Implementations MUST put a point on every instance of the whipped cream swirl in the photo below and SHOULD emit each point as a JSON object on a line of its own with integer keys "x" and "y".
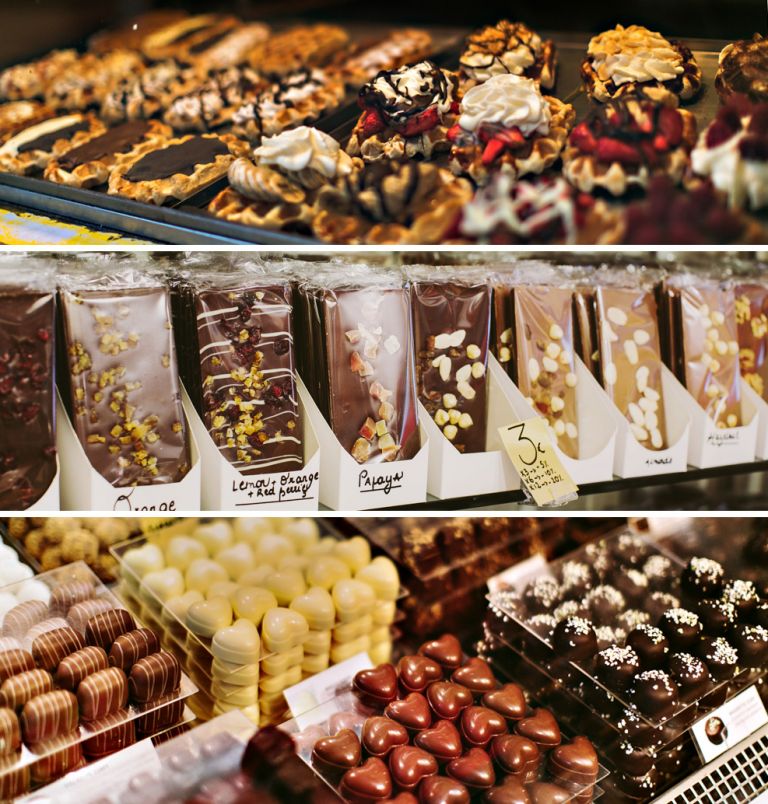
{"x": 634, "y": 53}
{"x": 304, "y": 148}
{"x": 507, "y": 101}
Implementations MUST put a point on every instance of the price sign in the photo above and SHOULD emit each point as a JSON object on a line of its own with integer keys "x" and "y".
{"x": 530, "y": 450}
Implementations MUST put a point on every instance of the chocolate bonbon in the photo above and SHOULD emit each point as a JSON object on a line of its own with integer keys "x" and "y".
{"x": 15, "y": 661}
{"x": 51, "y": 647}
{"x": 10, "y": 733}
{"x": 103, "y": 629}
{"x": 17, "y": 690}
{"x": 74, "y": 668}
{"x": 154, "y": 676}
{"x": 49, "y": 715}
{"x": 128, "y": 648}
{"x": 102, "y": 693}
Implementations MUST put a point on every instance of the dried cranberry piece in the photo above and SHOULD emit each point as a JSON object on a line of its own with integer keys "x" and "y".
{"x": 281, "y": 346}
{"x": 30, "y": 411}
{"x": 43, "y": 335}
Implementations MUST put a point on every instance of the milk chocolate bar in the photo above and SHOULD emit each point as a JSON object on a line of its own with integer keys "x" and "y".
{"x": 451, "y": 331}
{"x": 125, "y": 395}
{"x": 707, "y": 356}
{"x": 630, "y": 359}
{"x": 752, "y": 323}
{"x": 27, "y": 440}
{"x": 247, "y": 393}
{"x": 544, "y": 364}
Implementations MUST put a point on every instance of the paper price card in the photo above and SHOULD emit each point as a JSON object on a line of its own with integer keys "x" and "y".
{"x": 529, "y": 448}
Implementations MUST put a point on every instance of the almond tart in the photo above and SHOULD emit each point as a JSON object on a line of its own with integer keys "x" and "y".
{"x": 174, "y": 168}
{"x": 32, "y": 148}
{"x": 743, "y": 69}
{"x": 406, "y": 113}
{"x": 733, "y": 153}
{"x": 302, "y": 46}
{"x": 389, "y": 201}
{"x": 18, "y": 115}
{"x": 625, "y": 142}
{"x": 506, "y": 124}
{"x": 29, "y": 81}
{"x": 635, "y": 61}
{"x": 174, "y": 41}
{"x": 295, "y": 99}
{"x": 541, "y": 211}
{"x": 87, "y": 161}
{"x": 508, "y": 47}
{"x": 400, "y": 47}
{"x": 138, "y": 97}
{"x": 276, "y": 188}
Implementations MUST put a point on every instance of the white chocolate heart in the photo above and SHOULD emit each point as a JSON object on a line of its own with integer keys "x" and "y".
{"x": 383, "y": 577}
{"x": 162, "y": 584}
{"x": 325, "y": 571}
{"x": 380, "y": 653}
{"x": 300, "y": 563}
{"x": 181, "y": 551}
{"x": 236, "y": 559}
{"x": 283, "y": 629}
{"x": 206, "y": 617}
{"x": 316, "y": 604}
{"x": 273, "y": 549}
{"x": 302, "y": 532}
{"x": 354, "y": 552}
{"x": 202, "y": 573}
{"x": 235, "y": 673}
{"x": 347, "y": 632}
{"x": 252, "y": 603}
{"x": 214, "y": 536}
{"x": 144, "y": 559}
{"x": 251, "y": 529}
{"x": 381, "y": 634}
{"x": 238, "y": 695}
{"x": 384, "y": 612}
{"x": 256, "y": 577}
{"x": 238, "y": 642}
{"x": 286, "y": 585}
{"x": 317, "y": 642}
{"x": 225, "y": 589}
{"x": 353, "y": 599}
{"x": 324, "y": 547}
{"x": 315, "y": 663}
{"x": 177, "y": 607}
{"x": 340, "y": 653}
{"x": 278, "y": 663}
{"x": 278, "y": 683}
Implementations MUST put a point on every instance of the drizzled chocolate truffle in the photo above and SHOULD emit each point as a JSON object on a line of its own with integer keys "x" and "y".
{"x": 660, "y": 571}
{"x": 717, "y": 615}
{"x": 575, "y": 578}
{"x": 751, "y": 641}
{"x": 702, "y": 577}
{"x": 650, "y": 644}
{"x": 574, "y": 638}
{"x": 542, "y": 594}
{"x": 743, "y": 595}
{"x": 654, "y": 693}
{"x": 720, "y": 656}
{"x": 615, "y": 667}
{"x": 604, "y": 603}
{"x": 690, "y": 674}
{"x": 633, "y": 584}
{"x": 658, "y": 602}
{"x": 681, "y": 627}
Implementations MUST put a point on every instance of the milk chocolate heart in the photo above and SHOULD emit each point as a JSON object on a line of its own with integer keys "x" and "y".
{"x": 574, "y": 762}
{"x": 476, "y": 675}
{"x": 480, "y": 725}
{"x": 402, "y": 798}
{"x": 474, "y": 769}
{"x": 508, "y": 701}
{"x": 369, "y": 782}
{"x": 448, "y": 699}
{"x": 511, "y": 792}
{"x": 443, "y": 740}
{"x": 518, "y": 756}
{"x": 338, "y": 753}
{"x": 439, "y": 790}
{"x": 376, "y": 686}
{"x": 409, "y": 764}
{"x": 417, "y": 672}
{"x": 445, "y": 650}
{"x": 548, "y": 793}
{"x": 541, "y": 727}
{"x": 412, "y": 712}
{"x": 381, "y": 735}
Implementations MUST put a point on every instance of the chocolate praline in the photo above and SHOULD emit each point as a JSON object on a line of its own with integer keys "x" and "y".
{"x": 631, "y": 759}
{"x": 751, "y": 641}
{"x": 682, "y": 628}
{"x": 599, "y": 558}
{"x": 702, "y": 577}
{"x": 633, "y": 584}
{"x": 570, "y": 608}
{"x": 637, "y": 732}
{"x": 743, "y": 595}
{"x": 548, "y": 793}
{"x": 720, "y": 656}
{"x": 630, "y": 550}
{"x": 660, "y": 571}
{"x": 607, "y": 636}
{"x": 575, "y": 578}
{"x": 642, "y": 787}
{"x": 605, "y": 603}
{"x": 631, "y": 618}
{"x": 659, "y": 602}
{"x": 717, "y": 616}
{"x": 517, "y": 756}
{"x": 574, "y": 638}
{"x": 439, "y": 790}
{"x": 510, "y": 792}
{"x": 654, "y": 693}
{"x": 543, "y": 625}
{"x": 542, "y": 594}
{"x": 760, "y": 614}
{"x": 650, "y": 644}
{"x": 615, "y": 667}
{"x": 690, "y": 674}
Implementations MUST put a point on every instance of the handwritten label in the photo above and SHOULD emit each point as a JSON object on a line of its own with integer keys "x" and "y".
{"x": 724, "y": 438}
{"x": 125, "y": 502}
{"x": 658, "y": 461}
{"x": 280, "y": 487}
{"x": 729, "y": 724}
{"x": 383, "y": 482}
{"x": 541, "y": 472}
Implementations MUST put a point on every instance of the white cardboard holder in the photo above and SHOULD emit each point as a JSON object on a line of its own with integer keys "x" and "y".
{"x": 84, "y": 489}
{"x": 632, "y": 459}
{"x": 226, "y": 489}
{"x": 455, "y": 474}
{"x": 595, "y": 423}
{"x": 50, "y": 499}
{"x": 761, "y": 408}
{"x": 710, "y": 446}
{"x": 346, "y": 485}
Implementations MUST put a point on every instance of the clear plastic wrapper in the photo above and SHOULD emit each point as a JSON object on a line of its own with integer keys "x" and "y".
{"x": 752, "y": 329}
{"x": 120, "y": 375}
{"x": 364, "y": 383}
{"x": 451, "y": 328}
{"x": 27, "y": 402}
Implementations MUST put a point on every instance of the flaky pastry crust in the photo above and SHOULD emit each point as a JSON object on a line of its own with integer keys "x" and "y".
{"x": 302, "y": 46}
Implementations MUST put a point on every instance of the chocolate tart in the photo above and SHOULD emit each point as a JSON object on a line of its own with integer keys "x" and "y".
{"x": 743, "y": 69}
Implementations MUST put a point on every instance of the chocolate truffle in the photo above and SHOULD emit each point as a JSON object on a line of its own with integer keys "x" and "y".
{"x": 633, "y": 584}
{"x": 751, "y": 641}
{"x": 630, "y": 550}
{"x": 575, "y": 578}
{"x": 702, "y": 577}
{"x": 615, "y": 667}
{"x": 632, "y": 759}
{"x": 659, "y": 602}
{"x": 641, "y": 787}
{"x": 542, "y": 594}
{"x": 743, "y": 595}
{"x": 650, "y": 644}
{"x": 654, "y": 693}
{"x": 605, "y": 603}
{"x": 690, "y": 674}
{"x": 720, "y": 656}
{"x": 717, "y": 616}
{"x": 660, "y": 571}
{"x": 570, "y": 608}
{"x": 682, "y": 628}
{"x": 543, "y": 625}
{"x": 574, "y": 638}
{"x": 760, "y": 614}
{"x": 597, "y": 556}
{"x": 607, "y": 636}
{"x": 636, "y": 731}
{"x": 631, "y": 618}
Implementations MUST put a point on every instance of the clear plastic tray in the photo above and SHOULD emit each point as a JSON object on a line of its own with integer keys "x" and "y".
{"x": 53, "y": 579}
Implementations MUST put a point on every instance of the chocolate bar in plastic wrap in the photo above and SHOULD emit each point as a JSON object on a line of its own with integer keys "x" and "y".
{"x": 752, "y": 323}
{"x": 630, "y": 359}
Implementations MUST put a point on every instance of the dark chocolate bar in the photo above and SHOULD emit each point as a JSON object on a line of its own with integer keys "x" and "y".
{"x": 451, "y": 330}
{"x": 752, "y": 323}
{"x": 125, "y": 394}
